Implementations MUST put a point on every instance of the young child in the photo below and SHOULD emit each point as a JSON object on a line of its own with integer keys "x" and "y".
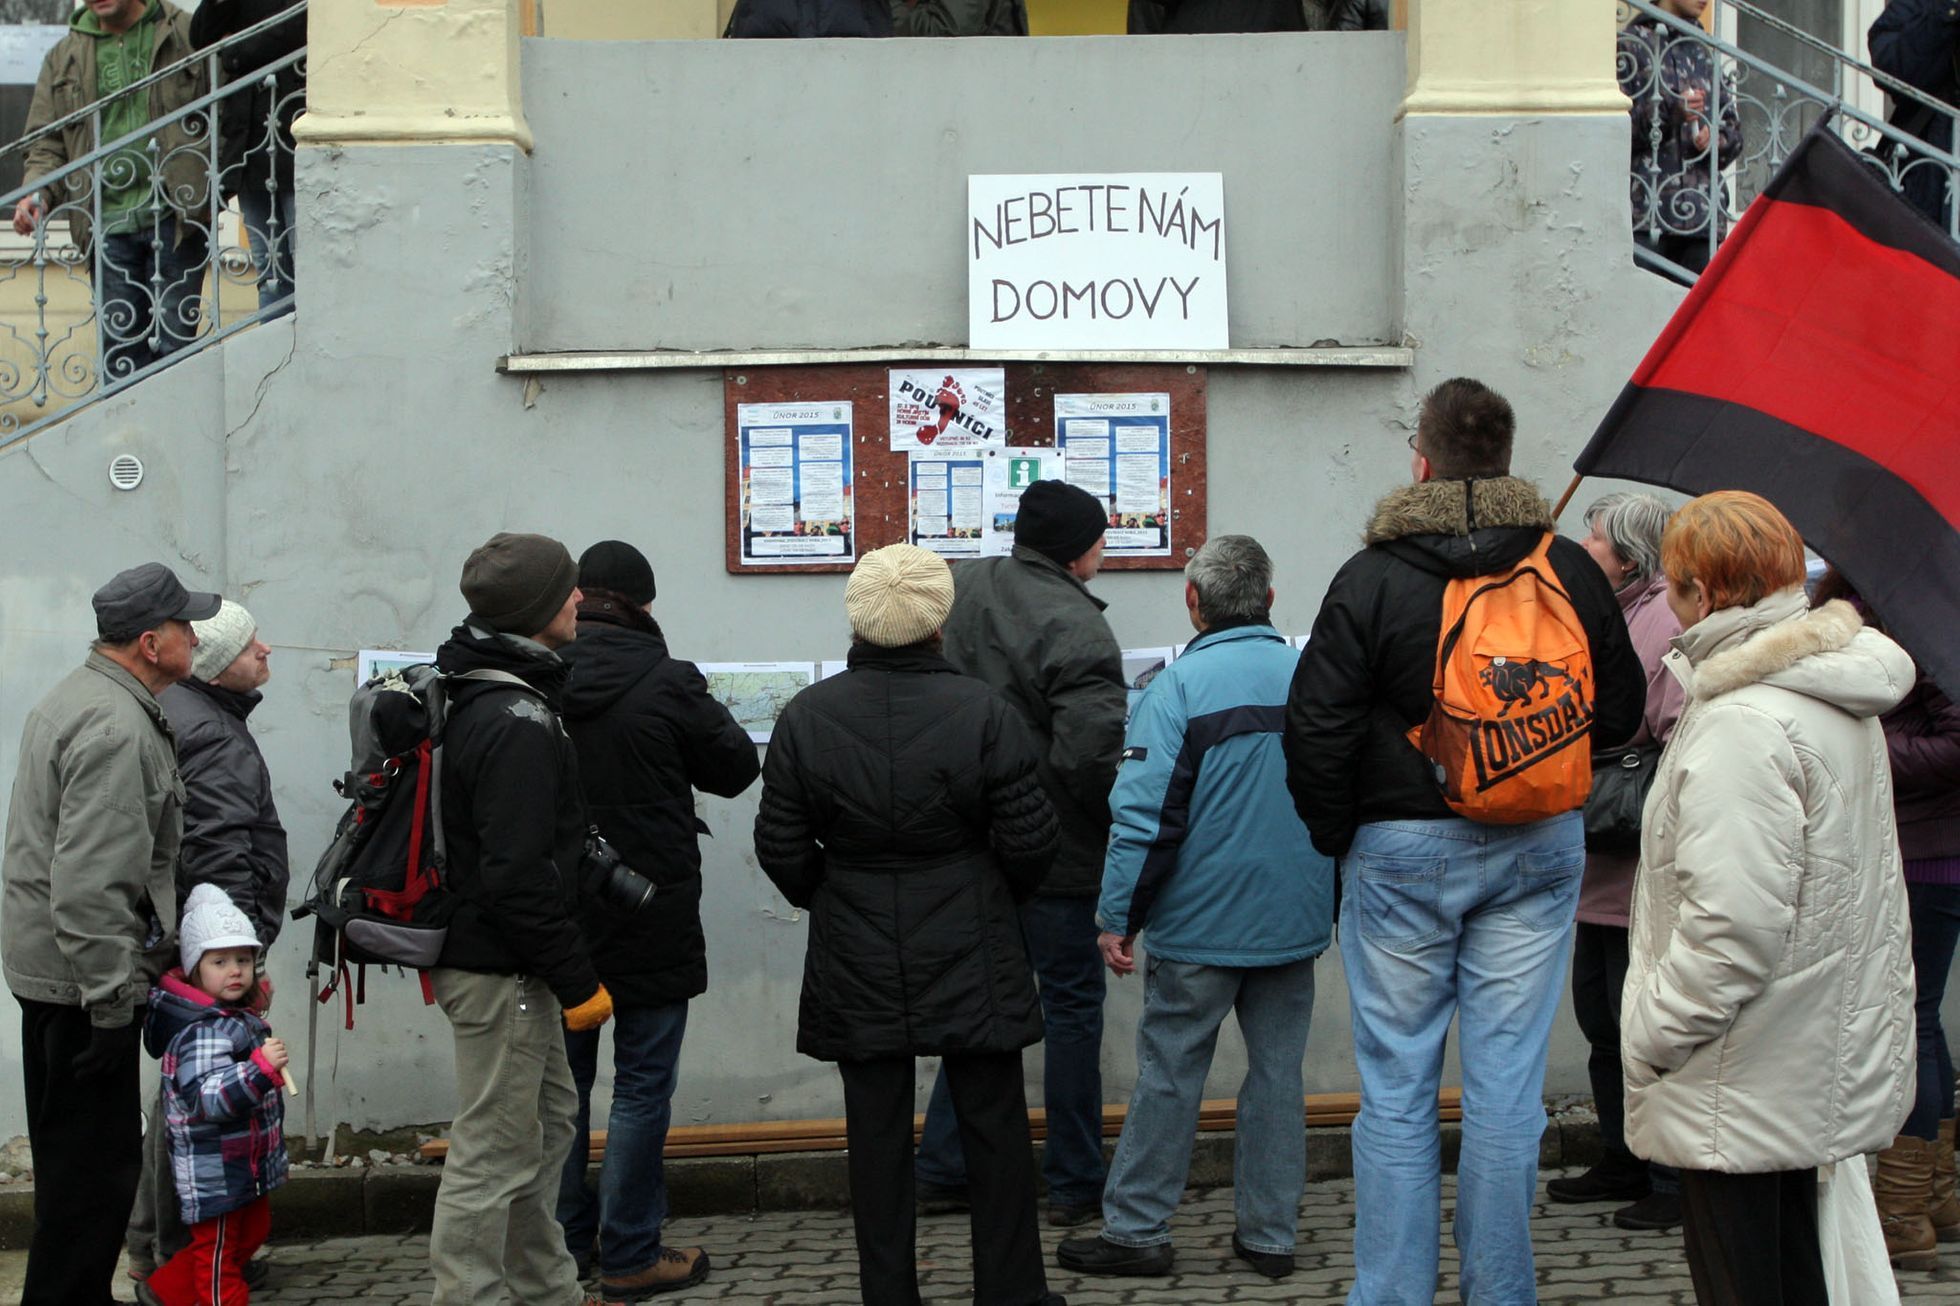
{"x": 222, "y": 1076}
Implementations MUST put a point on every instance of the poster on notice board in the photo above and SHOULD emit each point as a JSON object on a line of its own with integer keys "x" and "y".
{"x": 796, "y": 483}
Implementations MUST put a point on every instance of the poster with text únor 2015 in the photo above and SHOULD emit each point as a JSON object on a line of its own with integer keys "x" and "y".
{"x": 1118, "y": 448}
{"x": 796, "y": 483}
{"x": 937, "y": 409}
{"x": 946, "y": 503}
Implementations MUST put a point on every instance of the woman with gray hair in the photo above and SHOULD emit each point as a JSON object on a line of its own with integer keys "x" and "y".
{"x": 1624, "y": 538}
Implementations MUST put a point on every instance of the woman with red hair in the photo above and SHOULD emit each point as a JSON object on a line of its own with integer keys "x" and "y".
{"x": 1767, "y": 1023}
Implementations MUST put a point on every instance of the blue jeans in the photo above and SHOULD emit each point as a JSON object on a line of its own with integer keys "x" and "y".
{"x": 1935, "y": 912}
{"x": 1439, "y": 919}
{"x": 1061, "y": 936}
{"x": 268, "y": 216}
{"x": 1183, "y": 1006}
{"x": 148, "y": 294}
{"x": 631, "y": 1205}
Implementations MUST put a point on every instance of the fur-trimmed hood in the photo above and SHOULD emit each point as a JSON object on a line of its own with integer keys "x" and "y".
{"x": 1829, "y": 654}
{"x": 1457, "y": 508}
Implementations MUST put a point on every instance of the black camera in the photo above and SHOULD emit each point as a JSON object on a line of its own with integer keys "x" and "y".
{"x": 605, "y": 879}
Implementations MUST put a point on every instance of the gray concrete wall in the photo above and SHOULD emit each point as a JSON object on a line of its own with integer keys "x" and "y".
{"x": 333, "y": 472}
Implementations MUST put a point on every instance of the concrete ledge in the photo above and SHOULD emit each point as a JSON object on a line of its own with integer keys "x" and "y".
{"x": 400, "y": 1199}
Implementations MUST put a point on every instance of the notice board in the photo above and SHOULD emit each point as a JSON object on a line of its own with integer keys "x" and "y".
{"x": 830, "y": 399}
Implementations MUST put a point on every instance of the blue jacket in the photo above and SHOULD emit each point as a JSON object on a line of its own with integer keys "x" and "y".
{"x": 1207, "y": 856}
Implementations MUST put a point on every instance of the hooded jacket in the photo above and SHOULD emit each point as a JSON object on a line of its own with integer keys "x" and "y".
{"x": 249, "y": 153}
{"x": 900, "y": 807}
{"x": 512, "y": 817}
{"x": 232, "y": 834}
{"x": 1368, "y": 670}
{"x": 1034, "y": 632}
{"x": 1923, "y": 736}
{"x": 1767, "y": 1022}
{"x": 647, "y": 736}
{"x": 221, "y": 1099}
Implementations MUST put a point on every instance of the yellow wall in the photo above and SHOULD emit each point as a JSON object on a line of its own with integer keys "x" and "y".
{"x": 1077, "y": 17}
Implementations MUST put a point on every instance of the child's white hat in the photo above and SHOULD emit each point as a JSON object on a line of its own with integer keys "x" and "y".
{"x": 211, "y": 921}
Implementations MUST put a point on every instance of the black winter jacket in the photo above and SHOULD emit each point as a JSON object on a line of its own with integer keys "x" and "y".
{"x": 899, "y": 805}
{"x": 512, "y": 817}
{"x": 1027, "y": 627}
{"x": 246, "y": 156}
{"x": 1187, "y": 17}
{"x": 799, "y": 18}
{"x": 1918, "y": 42}
{"x": 1922, "y": 734}
{"x": 1359, "y": 16}
{"x": 647, "y": 736}
{"x": 1368, "y": 669}
{"x": 232, "y": 834}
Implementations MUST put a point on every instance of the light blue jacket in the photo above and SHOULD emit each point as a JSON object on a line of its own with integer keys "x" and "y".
{"x": 1207, "y": 857}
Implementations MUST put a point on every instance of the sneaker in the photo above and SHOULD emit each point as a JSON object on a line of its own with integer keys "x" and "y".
{"x": 1654, "y": 1211}
{"x": 1098, "y": 1255}
{"x": 1599, "y": 1185}
{"x": 1274, "y": 1265}
{"x": 940, "y": 1199}
{"x": 1064, "y": 1215}
{"x": 675, "y": 1268}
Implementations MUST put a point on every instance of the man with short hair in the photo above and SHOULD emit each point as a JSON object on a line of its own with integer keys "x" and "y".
{"x": 140, "y": 217}
{"x": 1442, "y": 916}
{"x": 88, "y": 912}
{"x": 513, "y": 967}
{"x": 1027, "y": 625}
{"x": 1210, "y": 863}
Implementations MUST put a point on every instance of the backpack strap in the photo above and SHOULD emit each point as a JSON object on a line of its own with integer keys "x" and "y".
{"x": 436, "y": 700}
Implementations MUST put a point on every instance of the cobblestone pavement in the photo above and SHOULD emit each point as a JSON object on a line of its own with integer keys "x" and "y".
{"x": 807, "y": 1258}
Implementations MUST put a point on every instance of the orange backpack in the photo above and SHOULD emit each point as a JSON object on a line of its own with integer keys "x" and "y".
{"x": 1510, "y": 730}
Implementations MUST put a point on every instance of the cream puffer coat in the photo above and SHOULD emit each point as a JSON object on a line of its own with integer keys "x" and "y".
{"x": 1767, "y": 1020}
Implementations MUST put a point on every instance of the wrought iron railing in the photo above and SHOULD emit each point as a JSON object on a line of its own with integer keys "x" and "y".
{"x": 1712, "y": 123}
{"x": 166, "y": 239}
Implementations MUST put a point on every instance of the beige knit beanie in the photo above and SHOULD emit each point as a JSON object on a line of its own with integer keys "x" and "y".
{"x": 221, "y": 639}
{"x": 898, "y": 595}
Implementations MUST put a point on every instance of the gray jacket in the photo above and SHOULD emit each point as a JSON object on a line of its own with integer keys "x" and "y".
{"x": 88, "y": 886}
{"x": 1035, "y": 633}
{"x": 232, "y": 834}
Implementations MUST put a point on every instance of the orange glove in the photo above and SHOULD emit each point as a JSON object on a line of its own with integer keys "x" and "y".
{"x": 591, "y": 1013}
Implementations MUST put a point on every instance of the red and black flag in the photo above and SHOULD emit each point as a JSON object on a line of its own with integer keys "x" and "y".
{"x": 1817, "y": 363}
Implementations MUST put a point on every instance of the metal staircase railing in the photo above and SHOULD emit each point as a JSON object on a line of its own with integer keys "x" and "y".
{"x": 129, "y": 251}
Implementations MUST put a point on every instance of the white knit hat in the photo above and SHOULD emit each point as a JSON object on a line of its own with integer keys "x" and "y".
{"x": 221, "y": 639}
{"x": 898, "y": 595}
{"x": 211, "y": 921}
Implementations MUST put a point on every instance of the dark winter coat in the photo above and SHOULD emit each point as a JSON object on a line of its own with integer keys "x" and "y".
{"x": 222, "y": 1106}
{"x": 1670, "y": 178}
{"x": 1922, "y": 734}
{"x": 1360, "y": 16}
{"x": 900, "y": 807}
{"x": 959, "y": 17}
{"x": 1368, "y": 669}
{"x": 647, "y": 735}
{"x": 797, "y": 18}
{"x": 1918, "y": 42}
{"x": 1192, "y": 16}
{"x": 248, "y": 152}
{"x": 1027, "y": 627}
{"x": 232, "y": 834}
{"x": 512, "y": 818}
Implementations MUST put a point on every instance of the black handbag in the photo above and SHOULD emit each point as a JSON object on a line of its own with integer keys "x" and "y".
{"x": 1621, "y": 779}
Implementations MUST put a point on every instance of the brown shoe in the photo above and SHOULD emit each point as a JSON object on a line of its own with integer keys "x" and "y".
{"x": 677, "y": 1267}
{"x": 1904, "y": 1193}
{"x": 1945, "y": 1211}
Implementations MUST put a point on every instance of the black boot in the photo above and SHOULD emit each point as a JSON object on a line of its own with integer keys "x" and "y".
{"x": 1100, "y": 1256}
{"x": 1602, "y": 1183}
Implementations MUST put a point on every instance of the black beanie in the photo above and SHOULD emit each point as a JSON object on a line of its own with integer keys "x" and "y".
{"x": 1059, "y": 520}
{"x": 517, "y": 583}
{"x": 619, "y": 567}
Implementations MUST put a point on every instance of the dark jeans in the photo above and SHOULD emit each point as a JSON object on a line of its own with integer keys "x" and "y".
{"x": 992, "y": 1106}
{"x": 1691, "y": 252}
{"x": 1752, "y": 1238}
{"x": 631, "y": 1206}
{"x": 148, "y": 294}
{"x": 1061, "y": 935}
{"x": 87, "y": 1138}
{"x": 269, "y": 216}
{"x": 1935, "y": 929}
{"x": 1599, "y": 974}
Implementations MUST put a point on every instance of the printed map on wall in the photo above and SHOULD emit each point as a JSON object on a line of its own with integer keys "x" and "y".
{"x": 756, "y": 693}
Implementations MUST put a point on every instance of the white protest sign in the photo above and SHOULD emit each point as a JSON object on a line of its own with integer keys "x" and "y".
{"x": 1132, "y": 260}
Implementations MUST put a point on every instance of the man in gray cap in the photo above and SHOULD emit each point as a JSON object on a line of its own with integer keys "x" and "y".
{"x": 88, "y": 911}
{"x": 513, "y": 962}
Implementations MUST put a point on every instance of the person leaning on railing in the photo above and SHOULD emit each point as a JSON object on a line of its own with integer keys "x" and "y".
{"x": 151, "y": 261}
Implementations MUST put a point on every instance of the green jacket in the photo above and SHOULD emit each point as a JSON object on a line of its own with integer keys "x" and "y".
{"x": 1031, "y": 630}
{"x": 959, "y": 17}
{"x": 68, "y": 82}
{"x": 88, "y": 884}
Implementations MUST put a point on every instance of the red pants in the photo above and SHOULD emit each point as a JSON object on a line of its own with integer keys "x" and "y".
{"x": 211, "y": 1271}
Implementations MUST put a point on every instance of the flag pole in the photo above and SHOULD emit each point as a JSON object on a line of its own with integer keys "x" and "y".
{"x": 1563, "y": 499}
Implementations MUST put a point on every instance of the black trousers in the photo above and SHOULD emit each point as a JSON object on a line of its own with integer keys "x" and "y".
{"x": 1752, "y": 1238}
{"x": 87, "y": 1137}
{"x": 991, "y": 1103}
{"x": 1599, "y": 973}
